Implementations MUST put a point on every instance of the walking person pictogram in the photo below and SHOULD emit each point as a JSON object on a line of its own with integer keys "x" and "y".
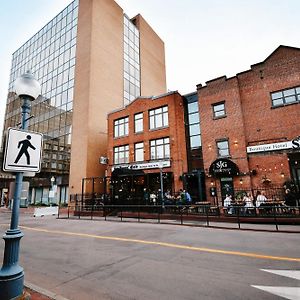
{"x": 24, "y": 149}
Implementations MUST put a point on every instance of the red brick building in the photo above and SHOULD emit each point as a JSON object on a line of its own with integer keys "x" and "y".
{"x": 250, "y": 125}
{"x": 144, "y": 137}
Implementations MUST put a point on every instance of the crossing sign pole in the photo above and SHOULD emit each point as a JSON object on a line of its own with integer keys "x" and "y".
{"x": 11, "y": 273}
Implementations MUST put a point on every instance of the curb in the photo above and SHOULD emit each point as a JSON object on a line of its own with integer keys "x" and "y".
{"x": 43, "y": 291}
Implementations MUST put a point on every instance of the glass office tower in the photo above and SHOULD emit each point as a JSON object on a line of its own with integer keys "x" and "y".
{"x": 50, "y": 56}
{"x": 88, "y": 60}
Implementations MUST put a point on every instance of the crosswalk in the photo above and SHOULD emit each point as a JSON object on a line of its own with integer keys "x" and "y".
{"x": 292, "y": 293}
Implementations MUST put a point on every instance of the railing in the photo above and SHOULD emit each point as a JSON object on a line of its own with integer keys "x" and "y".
{"x": 197, "y": 215}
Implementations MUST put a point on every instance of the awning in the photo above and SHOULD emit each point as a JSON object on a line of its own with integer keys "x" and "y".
{"x": 121, "y": 172}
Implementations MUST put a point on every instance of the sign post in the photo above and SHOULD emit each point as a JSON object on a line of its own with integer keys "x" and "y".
{"x": 19, "y": 157}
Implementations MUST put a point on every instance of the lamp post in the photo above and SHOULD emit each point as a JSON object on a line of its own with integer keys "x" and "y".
{"x": 11, "y": 273}
{"x": 160, "y": 165}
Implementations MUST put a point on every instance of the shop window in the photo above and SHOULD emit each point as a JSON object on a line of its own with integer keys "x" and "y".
{"x": 223, "y": 148}
{"x": 159, "y": 117}
{"x": 121, "y": 154}
{"x": 160, "y": 148}
{"x": 121, "y": 127}
{"x": 219, "y": 110}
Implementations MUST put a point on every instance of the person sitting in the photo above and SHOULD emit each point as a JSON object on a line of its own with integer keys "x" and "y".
{"x": 227, "y": 204}
{"x": 188, "y": 197}
{"x": 153, "y": 198}
{"x": 248, "y": 200}
{"x": 260, "y": 200}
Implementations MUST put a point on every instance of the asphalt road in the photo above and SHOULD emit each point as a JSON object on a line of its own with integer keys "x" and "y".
{"x": 80, "y": 259}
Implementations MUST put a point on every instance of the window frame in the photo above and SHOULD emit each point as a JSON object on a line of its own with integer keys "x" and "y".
{"x": 119, "y": 125}
{"x": 164, "y": 117}
{"x": 224, "y": 115}
{"x": 164, "y": 144}
{"x": 283, "y": 97}
{"x": 121, "y": 149}
{"x": 141, "y": 149}
{"x": 138, "y": 119}
{"x": 220, "y": 141}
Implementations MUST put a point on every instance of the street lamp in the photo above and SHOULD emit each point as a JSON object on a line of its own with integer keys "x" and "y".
{"x": 160, "y": 165}
{"x": 11, "y": 273}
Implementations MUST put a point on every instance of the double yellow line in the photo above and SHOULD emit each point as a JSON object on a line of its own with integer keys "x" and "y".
{"x": 163, "y": 244}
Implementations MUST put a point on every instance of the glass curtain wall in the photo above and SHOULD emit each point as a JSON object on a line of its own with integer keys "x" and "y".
{"x": 50, "y": 56}
{"x": 132, "y": 81}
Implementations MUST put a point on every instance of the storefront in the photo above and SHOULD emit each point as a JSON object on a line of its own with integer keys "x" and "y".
{"x": 224, "y": 170}
{"x": 132, "y": 184}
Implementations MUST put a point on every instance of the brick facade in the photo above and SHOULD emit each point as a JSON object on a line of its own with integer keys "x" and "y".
{"x": 251, "y": 120}
{"x": 175, "y": 131}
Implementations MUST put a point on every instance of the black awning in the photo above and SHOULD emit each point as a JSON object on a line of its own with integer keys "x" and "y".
{"x": 126, "y": 172}
{"x": 223, "y": 167}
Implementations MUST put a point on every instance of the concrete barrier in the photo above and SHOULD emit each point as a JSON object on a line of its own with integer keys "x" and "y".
{"x": 45, "y": 211}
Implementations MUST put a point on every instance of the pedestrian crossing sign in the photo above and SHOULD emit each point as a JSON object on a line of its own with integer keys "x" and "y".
{"x": 23, "y": 151}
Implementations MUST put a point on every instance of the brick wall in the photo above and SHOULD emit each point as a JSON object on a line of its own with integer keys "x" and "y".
{"x": 250, "y": 118}
{"x": 175, "y": 131}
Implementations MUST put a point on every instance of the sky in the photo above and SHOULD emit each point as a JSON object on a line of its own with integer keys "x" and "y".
{"x": 204, "y": 39}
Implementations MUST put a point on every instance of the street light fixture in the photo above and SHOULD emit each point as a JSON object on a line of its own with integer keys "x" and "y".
{"x": 11, "y": 273}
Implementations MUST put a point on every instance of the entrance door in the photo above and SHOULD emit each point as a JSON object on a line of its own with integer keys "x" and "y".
{"x": 226, "y": 186}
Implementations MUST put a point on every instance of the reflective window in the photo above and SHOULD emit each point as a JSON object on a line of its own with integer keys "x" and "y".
{"x": 48, "y": 55}
{"x": 139, "y": 151}
{"x": 121, "y": 127}
{"x": 286, "y": 97}
{"x": 158, "y": 117}
{"x": 121, "y": 154}
{"x": 138, "y": 122}
{"x": 194, "y": 124}
{"x": 131, "y": 61}
{"x": 160, "y": 148}
{"x": 223, "y": 148}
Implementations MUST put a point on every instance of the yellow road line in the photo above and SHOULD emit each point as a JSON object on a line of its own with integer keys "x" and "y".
{"x": 170, "y": 245}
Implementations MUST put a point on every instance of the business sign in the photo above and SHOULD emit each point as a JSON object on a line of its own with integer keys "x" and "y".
{"x": 143, "y": 166}
{"x": 223, "y": 167}
{"x": 294, "y": 144}
{"x": 23, "y": 151}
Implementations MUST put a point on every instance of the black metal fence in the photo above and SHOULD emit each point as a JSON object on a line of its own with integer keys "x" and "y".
{"x": 237, "y": 216}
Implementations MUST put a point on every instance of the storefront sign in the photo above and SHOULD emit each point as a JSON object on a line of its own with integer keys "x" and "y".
{"x": 294, "y": 144}
{"x": 223, "y": 167}
{"x": 143, "y": 166}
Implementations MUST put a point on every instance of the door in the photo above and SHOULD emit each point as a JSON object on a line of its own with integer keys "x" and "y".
{"x": 226, "y": 187}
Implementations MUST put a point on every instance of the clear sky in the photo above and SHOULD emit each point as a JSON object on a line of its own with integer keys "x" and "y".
{"x": 204, "y": 39}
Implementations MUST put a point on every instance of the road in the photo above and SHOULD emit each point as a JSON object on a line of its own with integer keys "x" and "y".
{"x": 81, "y": 259}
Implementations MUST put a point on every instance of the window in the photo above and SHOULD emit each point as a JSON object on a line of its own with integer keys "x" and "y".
{"x": 160, "y": 148}
{"x": 223, "y": 148}
{"x": 121, "y": 127}
{"x": 194, "y": 125}
{"x": 138, "y": 122}
{"x": 139, "y": 152}
{"x": 159, "y": 117}
{"x": 121, "y": 154}
{"x": 286, "y": 96}
{"x": 219, "y": 110}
